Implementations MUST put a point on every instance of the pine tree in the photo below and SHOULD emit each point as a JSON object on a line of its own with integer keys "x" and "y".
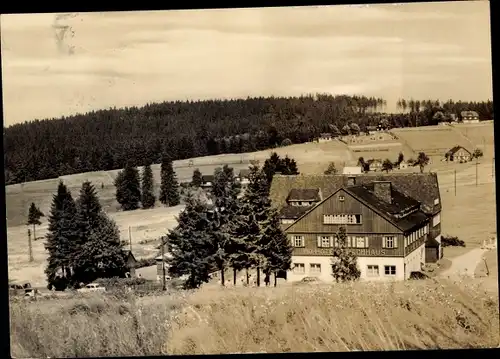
{"x": 344, "y": 262}
{"x": 190, "y": 244}
{"x": 128, "y": 188}
{"x": 169, "y": 188}
{"x": 253, "y": 211}
{"x": 34, "y": 216}
{"x": 197, "y": 178}
{"x": 225, "y": 192}
{"x": 61, "y": 236}
{"x": 88, "y": 219}
{"x": 147, "y": 191}
{"x": 276, "y": 246}
{"x": 102, "y": 255}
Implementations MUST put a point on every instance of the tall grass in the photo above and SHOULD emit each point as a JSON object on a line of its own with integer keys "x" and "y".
{"x": 360, "y": 316}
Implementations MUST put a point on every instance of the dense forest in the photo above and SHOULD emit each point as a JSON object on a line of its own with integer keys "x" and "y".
{"x": 108, "y": 139}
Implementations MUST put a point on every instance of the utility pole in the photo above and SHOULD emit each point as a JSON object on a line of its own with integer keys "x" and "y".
{"x": 163, "y": 264}
{"x": 29, "y": 246}
{"x": 455, "y": 172}
{"x": 476, "y": 171}
{"x": 130, "y": 239}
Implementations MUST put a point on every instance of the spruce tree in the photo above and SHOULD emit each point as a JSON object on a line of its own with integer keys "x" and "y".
{"x": 34, "y": 216}
{"x": 101, "y": 255}
{"x": 197, "y": 178}
{"x": 61, "y": 236}
{"x": 276, "y": 246}
{"x": 128, "y": 188}
{"x": 225, "y": 193}
{"x": 88, "y": 219}
{"x": 190, "y": 244}
{"x": 169, "y": 187}
{"x": 344, "y": 262}
{"x": 147, "y": 191}
{"x": 253, "y": 211}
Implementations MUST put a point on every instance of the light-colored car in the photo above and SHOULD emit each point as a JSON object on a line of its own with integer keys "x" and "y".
{"x": 92, "y": 287}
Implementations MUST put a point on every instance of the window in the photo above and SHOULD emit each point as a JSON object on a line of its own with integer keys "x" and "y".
{"x": 325, "y": 241}
{"x": 341, "y": 198}
{"x": 315, "y": 268}
{"x": 299, "y": 268}
{"x": 360, "y": 242}
{"x": 407, "y": 242}
{"x": 436, "y": 201}
{"x": 436, "y": 219}
{"x": 342, "y": 219}
{"x": 426, "y": 229}
{"x": 298, "y": 241}
{"x": 390, "y": 242}
{"x": 372, "y": 271}
{"x": 390, "y": 270}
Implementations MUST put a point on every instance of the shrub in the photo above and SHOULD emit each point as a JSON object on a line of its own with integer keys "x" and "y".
{"x": 286, "y": 142}
{"x": 451, "y": 241}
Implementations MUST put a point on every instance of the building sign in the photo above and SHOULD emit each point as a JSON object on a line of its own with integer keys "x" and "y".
{"x": 360, "y": 252}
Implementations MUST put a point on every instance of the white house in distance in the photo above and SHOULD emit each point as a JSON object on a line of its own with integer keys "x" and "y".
{"x": 392, "y": 223}
{"x": 469, "y": 116}
{"x": 352, "y": 170}
{"x": 325, "y": 137}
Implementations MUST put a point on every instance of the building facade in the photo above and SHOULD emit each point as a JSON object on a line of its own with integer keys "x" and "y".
{"x": 458, "y": 154}
{"x": 387, "y": 227}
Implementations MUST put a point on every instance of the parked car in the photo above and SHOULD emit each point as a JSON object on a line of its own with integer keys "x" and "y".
{"x": 92, "y": 287}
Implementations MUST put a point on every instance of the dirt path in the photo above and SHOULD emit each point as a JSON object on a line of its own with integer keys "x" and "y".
{"x": 465, "y": 264}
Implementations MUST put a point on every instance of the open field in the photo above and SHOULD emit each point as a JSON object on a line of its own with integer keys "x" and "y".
{"x": 470, "y": 215}
{"x": 341, "y": 317}
{"x": 487, "y": 270}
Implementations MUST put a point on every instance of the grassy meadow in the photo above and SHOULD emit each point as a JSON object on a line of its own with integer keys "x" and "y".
{"x": 308, "y": 317}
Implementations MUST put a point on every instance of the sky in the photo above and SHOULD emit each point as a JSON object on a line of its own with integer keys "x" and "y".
{"x": 62, "y": 64}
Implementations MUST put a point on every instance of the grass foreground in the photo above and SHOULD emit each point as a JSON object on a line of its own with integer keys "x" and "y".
{"x": 299, "y": 318}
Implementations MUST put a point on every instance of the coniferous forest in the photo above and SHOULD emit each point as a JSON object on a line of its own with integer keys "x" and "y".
{"x": 109, "y": 139}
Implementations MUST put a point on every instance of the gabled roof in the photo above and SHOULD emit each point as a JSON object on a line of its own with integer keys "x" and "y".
{"x": 455, "y": 149}
{"x": 384, "y": 209}
{"x": 304, "y": 194}
{"x": 129, "y": 253}
{"x": 469, "y": 114}
{"x": 293, "y": 212}
{"x": 326, "y": 134}
{"x": 423, "y": 187}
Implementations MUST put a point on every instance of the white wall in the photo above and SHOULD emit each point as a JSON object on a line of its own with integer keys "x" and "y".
{"x": 414, "y": 259}
{"x": 363, "y": 262}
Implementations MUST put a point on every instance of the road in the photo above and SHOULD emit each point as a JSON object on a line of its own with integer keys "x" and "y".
{"x": 465, "y": 264}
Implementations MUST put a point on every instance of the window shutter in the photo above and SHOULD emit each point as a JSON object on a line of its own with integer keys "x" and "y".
{"x": 332, "y": 240}
{"x": 395, "y": 242}
{"x": 292, "y": 241}
{"x": 384, "y": 242}
{"x": 366, "y": 242}
{"x": 319, "y": 242}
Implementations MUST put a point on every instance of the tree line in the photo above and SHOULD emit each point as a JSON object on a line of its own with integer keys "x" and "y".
{"x": 108, "y": 139}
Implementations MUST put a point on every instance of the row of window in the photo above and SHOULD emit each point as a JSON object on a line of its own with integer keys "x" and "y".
{"x": 372, "y": 270}
{"x": 342, "y": 219}
{"x": 388, "y": 242}
{"x": 409, "y": 239}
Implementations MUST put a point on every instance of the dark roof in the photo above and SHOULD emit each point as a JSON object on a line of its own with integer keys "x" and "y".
{"x": 207, "y": 178}
{"x": 244, "y": 173}
{"x": 304, "y": 194}
{"x": 423, "y": 187}
{"x": 399, "y": 204}
{"x": 469, "y": 113}
{"x": 326, "y": 134}
{"x": 293, "y": 212}
{"x": 455, "y": 149}
{"x": 129, "y": 253}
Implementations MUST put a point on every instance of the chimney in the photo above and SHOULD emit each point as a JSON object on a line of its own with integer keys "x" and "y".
{"x": 383, "y": 190}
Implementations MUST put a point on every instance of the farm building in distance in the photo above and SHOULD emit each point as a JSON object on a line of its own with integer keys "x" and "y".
{"x": 207, "y": 181}
{"x": 469, "y": 116}
{"x": 325, "y": 137}
{"x": 458, "y": 154}
{"x": 393, "y": 222}
{"x": 243, "y": 176}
